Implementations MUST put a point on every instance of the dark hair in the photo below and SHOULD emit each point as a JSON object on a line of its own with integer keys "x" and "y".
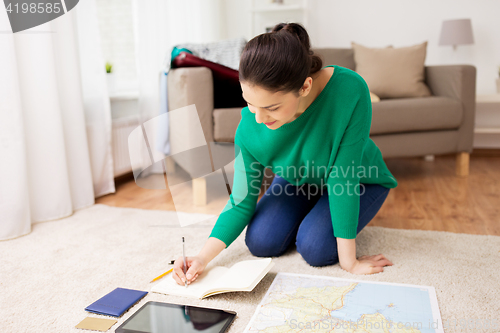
{"x": 279, "y": 60}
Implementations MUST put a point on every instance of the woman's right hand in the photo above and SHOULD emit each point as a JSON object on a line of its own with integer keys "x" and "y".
{"x": 195, "y": 266}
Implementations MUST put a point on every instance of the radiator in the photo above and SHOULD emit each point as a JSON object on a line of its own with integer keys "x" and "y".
{"x": 121, "y": 129}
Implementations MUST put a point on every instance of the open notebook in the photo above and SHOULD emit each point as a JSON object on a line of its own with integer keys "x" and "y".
{"x": 242, "y": 276}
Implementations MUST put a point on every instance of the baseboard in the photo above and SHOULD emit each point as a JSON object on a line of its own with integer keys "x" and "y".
{"x": 125, "y": 178}
{"x": 480, "y": 152}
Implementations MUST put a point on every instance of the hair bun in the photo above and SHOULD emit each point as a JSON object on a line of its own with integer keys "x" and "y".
{"x": 296, "y": 29}
{"x": 280, "y": 60}
{"x": 301, "y": 33}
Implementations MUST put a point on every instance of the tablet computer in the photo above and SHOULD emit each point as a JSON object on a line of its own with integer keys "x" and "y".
{"x": 159, "y": 317}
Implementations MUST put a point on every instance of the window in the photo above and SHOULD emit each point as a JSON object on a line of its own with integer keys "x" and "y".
{"x": 117, "y": 40}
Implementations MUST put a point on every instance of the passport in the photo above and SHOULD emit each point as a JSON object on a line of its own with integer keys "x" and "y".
{"x": 116, "y": 302}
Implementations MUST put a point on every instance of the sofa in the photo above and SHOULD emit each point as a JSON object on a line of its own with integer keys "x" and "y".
{"x": 402, "y": 127}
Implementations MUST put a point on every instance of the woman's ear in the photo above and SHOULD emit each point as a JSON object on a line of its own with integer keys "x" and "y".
{"x": 306, "y": 87}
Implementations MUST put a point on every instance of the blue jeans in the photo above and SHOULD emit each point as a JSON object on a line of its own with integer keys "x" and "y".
{"x": 285, "y": 214}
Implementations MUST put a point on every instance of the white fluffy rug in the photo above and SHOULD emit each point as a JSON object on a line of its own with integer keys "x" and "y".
{"x": 48, "y": 277}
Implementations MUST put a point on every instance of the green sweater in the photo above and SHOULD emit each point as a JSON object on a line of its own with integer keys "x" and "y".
{"x": 327, "y": 145}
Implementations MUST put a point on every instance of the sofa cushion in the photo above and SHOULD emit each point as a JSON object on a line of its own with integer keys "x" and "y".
{"x": 393, "y": 72}
{"x": 336, "y": 56}
{"x": 374, "y": 98}
{"x": 388, "y": 116}
{"x": 225, "y": 123}
{"x": 415, "y": 114}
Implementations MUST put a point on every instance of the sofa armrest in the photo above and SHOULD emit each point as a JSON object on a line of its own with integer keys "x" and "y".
{"x": 457, "y": 82}
{"x": 193, "y": 85}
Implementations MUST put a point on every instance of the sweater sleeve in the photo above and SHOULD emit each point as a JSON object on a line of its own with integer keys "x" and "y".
{"x": 248, "y": 175}
{"x": 343, "y": 189}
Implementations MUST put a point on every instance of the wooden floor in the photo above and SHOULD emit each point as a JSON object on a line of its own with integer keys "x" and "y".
{"x": 429, "y": 196}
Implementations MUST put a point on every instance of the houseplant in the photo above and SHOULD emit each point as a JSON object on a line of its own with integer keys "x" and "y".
{"x": 110, "y": 78}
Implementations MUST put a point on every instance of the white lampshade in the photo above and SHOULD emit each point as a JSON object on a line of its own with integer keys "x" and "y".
{"x": 456, "y": 32}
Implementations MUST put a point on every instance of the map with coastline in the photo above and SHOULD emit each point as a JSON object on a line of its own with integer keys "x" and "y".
{"x": 314, "y": 303}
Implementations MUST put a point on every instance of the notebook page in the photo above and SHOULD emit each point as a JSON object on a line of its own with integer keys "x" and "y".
{"x": 196, "y": 289}
{"x": 242, "y": 275}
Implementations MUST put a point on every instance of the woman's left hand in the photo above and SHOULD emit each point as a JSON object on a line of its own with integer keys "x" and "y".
{"x": 369, "y": 264}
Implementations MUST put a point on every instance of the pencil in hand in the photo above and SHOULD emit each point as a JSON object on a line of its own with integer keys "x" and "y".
{"x": 184, "y": 266}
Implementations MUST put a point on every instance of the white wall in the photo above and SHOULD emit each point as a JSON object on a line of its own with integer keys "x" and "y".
{"x": 195, "y": 21}
{"x": 236, "y": 18}
{"x": 335, "y": 23}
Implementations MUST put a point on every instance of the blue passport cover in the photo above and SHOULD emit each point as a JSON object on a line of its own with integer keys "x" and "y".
{"x": 116, "y": 302}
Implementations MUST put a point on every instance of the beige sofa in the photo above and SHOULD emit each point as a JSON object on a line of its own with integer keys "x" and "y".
{"x": 404, "y": 127}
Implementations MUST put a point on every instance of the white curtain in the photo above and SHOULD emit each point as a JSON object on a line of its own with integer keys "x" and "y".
{"x": 159, "y": 26}
{"x": 55, "y": 132}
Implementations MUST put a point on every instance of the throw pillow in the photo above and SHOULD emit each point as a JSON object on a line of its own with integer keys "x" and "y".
{"x": 393, "y": 72}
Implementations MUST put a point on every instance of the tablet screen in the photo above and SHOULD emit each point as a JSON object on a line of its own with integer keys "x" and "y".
{"x": 157, "y": 317}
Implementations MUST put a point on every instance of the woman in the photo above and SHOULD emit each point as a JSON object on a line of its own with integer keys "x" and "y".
{"x": 310, "y": 125}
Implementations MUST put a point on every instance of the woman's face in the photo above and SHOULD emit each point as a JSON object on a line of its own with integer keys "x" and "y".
{"x": 274, "y": 109}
